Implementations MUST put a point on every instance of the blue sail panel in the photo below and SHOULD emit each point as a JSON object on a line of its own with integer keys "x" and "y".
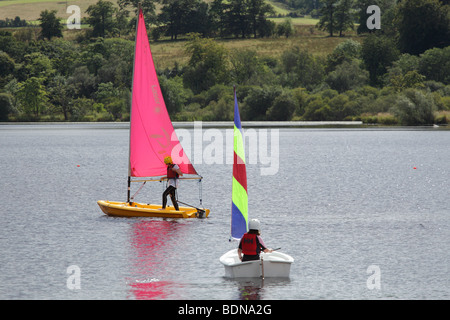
{"x": 238, "y": 223}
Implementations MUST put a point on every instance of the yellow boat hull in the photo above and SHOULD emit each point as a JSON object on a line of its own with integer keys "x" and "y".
{"x": 135, "y": 209}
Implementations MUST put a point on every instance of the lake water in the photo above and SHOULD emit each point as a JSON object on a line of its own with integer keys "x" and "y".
{"x": 365, "y": 213}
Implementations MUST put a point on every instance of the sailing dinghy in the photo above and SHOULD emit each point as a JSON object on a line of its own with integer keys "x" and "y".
{"x": 274, "y": 264}
{"x": 152, "y": 138}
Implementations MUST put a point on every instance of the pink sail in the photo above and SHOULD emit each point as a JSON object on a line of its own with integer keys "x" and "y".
{"x": 152, "y": 136}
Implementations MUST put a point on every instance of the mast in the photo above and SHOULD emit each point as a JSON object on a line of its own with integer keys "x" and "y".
{"x": 131, "y": 111}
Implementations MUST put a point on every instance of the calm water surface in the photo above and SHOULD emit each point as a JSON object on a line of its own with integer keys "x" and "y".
{"x": 342, "y": 200}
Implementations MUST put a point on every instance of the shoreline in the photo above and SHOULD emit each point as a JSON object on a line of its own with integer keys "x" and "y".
{"x": 230, "y": 124}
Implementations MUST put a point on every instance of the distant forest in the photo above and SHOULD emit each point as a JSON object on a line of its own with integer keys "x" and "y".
{"x": 13, "y": 23}
{"x": 396, "y": 75}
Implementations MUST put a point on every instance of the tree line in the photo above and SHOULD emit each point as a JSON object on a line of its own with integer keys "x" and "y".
{"x": 219, "y": 18}
{"x": 13, "y": 23}
{"x": 374, "y": 79}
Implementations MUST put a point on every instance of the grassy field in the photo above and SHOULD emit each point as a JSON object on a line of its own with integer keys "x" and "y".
{"x": 166, "y": 53}
{"x": 298, "y": 21}
{"x": 30, "y": 10}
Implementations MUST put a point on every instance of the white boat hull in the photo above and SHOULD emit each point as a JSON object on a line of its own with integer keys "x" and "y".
{"x": 273, "y": 265}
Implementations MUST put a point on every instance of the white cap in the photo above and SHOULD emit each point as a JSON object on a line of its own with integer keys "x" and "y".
{"x": 254, "y": 224}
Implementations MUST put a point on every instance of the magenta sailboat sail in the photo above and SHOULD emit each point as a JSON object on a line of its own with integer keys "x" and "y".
{"x": 152, "y": 136}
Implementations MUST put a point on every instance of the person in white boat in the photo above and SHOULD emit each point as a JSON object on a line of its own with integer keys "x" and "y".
{"x": 173, "y": 173}
{"x": 251, "y": 243}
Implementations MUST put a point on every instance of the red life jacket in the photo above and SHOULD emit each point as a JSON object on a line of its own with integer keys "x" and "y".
{"x": 249, "y": 244}
{"x": 170, "y": 173}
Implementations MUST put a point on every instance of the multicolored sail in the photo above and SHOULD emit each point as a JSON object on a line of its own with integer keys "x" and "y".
{"x": 239, "y": 207}
{"x": 152, "y": 136}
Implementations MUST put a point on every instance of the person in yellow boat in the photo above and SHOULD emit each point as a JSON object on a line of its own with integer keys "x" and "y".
{"x": 251, "y": 243}
{"x": 173, "y": 173}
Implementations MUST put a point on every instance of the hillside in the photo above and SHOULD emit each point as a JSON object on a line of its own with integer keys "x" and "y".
{"x": 300, "y": 75}
{"x": 167, "y": 53}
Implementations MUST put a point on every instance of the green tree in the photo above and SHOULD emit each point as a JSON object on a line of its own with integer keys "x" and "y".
{"x": 175, "y": 95}
{"x": 201, "y": 19}
{"x": 244, "y": 17}
{"x": 435, "y": 64}
{"x": 122, "y": 23}
{"x": 116, "y": 106}
{"x": 301, "y": 96}
{"x": 341, "y": 107}
{"x": 238, "y": 20}
{"x": 283, "y": 107}
{"x": 406, "y": 62}
{"x": 50, "y": 24}
{"x": 387, "y": 8}
{"x": 80, "y": 108}
{"x": 347, "y": 76}
{"x": 101, "y": 17}
{"x": 63, "y": 54}
{"x": 38, "y": 65}
{"x": 328, "y": 20}
{"x": 413, "y": 107}
{"x": 148, "y": 7}
{"x": 317, "y": 109}
{"x": 5, "y": 106}
{"x": 33, "y": 97}
{"x": 285, "y": 28}
{"x": 60, "y": 95}
{"x": 7, "y": 67}
{"x": 412, "y": 79}
{"x": 105, "y": 91}
{"x": 6, "y": 64}
{"x": 110, "y": 60}
{"x": 257, "y": 11}
{"x": 266, "y": 28}
{"x": 301, "y": 69}
{"x": 12, "y": 88}
{"x": 82, "y": 83}
{"x": 116, "y": 70}
{"x": 344, "y": 51}
{"x": 114, "y": 100}
{"x": 248, "y": 68}
{"x": 258, "y": 100}
{"x": 207, "y": 65}
{"x": 344, "y": 16}
{"x": 378, "y": 53}
{"x": 218, "y": 17}
{"x": 176, "y": 16}
{"x": 220, "y": 110}
{"x": 16, "y": 49}
{"x": 422, "y": 25}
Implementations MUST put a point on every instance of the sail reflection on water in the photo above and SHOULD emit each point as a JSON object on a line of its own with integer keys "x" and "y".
{"x": 152, "y": 241}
